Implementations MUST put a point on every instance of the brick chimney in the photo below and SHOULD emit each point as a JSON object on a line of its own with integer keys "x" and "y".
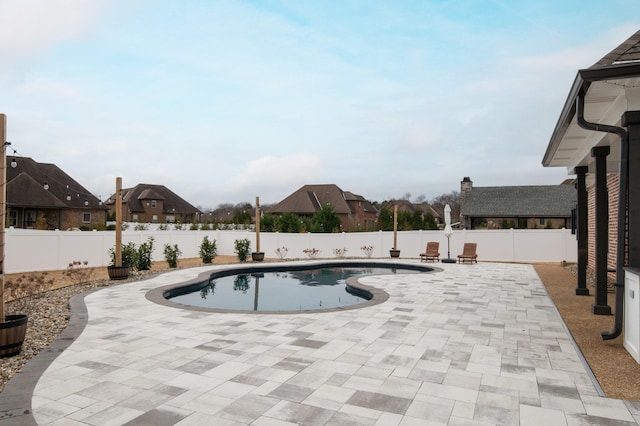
{"x": 466, "y": 184}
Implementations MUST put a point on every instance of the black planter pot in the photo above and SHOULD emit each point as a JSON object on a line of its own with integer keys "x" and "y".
{"x": 12, "y": 332}
{"x": 394, "y": 253}
{"x": 118, "y": 272}
{"x": 257, "y": 256}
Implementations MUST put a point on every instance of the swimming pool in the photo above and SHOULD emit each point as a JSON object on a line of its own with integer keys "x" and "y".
{"x": 291, "y": 288}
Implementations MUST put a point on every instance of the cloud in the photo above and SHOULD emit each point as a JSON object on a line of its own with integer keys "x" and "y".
{"x": 272, "y": 178}
{"x": 29, "y": 26}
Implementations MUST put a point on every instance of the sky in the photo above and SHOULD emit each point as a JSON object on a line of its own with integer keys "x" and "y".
{"x": 225, "y": 101}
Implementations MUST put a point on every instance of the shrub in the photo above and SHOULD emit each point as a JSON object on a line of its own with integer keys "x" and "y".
{"x": 311, "y": 252}
{"x": 140, "y": 227}
{"x": 243, "y": 248}
{"x": 368, "y": 250}
{"x": 143, "y": 255}
{"x": 129, "y": 254}
{"x": 24, "y": 292}
{"x": 282, "y": 252}
{"x": 171, "y": 254}
{"x": 208, "y": 250}
{"x": 78, "y": 272}
{"x": 340, "y": 252}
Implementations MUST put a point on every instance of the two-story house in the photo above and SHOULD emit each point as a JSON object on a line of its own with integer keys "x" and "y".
{"x": 42, "y": 196}
{"x": 147, "y": 203}
{"x": 355, "y": 212}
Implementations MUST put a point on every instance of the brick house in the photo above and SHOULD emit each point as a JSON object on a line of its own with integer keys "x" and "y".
{"x": 355, "y": 212}
{"x": 42, "y": 196}
{"x": 147, "y": 203}
{"x": 597, "y": 138}
{"x": 520, "y": 207}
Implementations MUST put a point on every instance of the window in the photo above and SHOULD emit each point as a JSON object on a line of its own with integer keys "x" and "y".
{"x": 171, "y": 219}
{"x": 13, "y": 218}
{"x": 86, "y": 217}
{"x": 134, "y": 217}
{"x": 542, "y": 221}
{"x": 154, "y": 204}
{"x": 154, "y": 218}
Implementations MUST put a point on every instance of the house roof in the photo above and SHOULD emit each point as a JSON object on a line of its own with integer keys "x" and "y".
{"x": 604, "y": 86}
{"x": 366, "y": 205}
{"x": 172, "y": 202}
{"x": 310, "y": 198}
{"x": 26, "y": 187}
{"x": 406, "y": 205}
{"x": 520, "y": 201}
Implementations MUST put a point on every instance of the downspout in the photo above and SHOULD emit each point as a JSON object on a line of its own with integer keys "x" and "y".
{"x": 622, "y": 211}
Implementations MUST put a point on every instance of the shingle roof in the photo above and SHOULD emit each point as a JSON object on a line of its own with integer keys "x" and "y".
{"x": 173, "y": 203}
{"x": 25, "y": 187}
{"x": 310, "y": 198}
{"x": 628, "y": 51}
{"x": 520, "y": 201}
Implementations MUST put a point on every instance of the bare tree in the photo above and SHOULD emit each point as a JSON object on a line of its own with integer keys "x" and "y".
{"x": 453, "y": 199}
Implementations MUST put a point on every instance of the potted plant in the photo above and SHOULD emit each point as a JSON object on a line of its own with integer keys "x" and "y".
{"x": 257, "y": 256}
{"x": 22, "y": 292}
{"x": 128, "y": 258}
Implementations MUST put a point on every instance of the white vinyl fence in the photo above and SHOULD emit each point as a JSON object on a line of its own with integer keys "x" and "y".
{"x": 33, "y": 250}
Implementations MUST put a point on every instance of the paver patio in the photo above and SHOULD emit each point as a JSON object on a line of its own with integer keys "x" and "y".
{"x": 474, "y": 344}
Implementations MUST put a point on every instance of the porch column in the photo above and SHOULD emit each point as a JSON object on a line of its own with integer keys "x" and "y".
{"x": 582, "y": 230}
{"x": 600, "y": 307}
{"x": 631, "y": 120}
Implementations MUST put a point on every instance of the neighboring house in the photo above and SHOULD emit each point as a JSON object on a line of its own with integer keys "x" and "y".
{"x": 146, "y": 203}
{"x": 42, "y": 196}
{"x": 597, "y": 138}
{"x": 355, "y": 212}
{"x": 523, "y": 207}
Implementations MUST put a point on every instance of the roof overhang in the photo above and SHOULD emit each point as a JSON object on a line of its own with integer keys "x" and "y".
{"x": 609, "y": 91}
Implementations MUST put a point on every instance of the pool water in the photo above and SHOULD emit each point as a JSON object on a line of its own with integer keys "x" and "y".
{"x": 299, "y": 290}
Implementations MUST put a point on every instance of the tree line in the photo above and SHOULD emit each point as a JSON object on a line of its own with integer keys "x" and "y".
{"x": 327, "y": 220}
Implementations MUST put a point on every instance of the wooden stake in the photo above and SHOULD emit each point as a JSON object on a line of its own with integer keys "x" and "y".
{"x": 395, "y": 227}
{"x": 257, "y": 224}
{"x": 3, "y": 205}
{"x": 118, "y": 259}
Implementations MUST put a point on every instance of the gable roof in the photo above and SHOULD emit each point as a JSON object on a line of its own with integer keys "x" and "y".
{"x": 26, "y": 187}
{"x": 172, "y": 202}
{"x": 366, "y": 205}
{"x": 603, "y": 85}
{"x": 520, "y": 201}
{"x": 310, "y": 198}
{"x": 406, "y": 205}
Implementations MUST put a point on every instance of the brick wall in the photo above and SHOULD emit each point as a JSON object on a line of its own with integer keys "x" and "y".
{"x": 612, "y": 189}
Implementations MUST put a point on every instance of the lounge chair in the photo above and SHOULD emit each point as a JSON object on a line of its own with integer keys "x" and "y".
{"x": 431, "y": 253}
{"x": 468, "y": 253}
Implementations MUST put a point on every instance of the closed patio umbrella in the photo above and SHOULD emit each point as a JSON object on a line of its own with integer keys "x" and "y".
{"x": 448, "y": 232}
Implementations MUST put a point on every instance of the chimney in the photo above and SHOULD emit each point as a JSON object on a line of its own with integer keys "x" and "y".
{"x": 465, "y": 187}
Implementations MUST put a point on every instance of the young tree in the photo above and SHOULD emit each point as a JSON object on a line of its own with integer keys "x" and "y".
{"x": 288, "y": 222}
{"x": 385, "y": 219}
{"x": 325, "y": 220}
{"x": 453, "y": 199}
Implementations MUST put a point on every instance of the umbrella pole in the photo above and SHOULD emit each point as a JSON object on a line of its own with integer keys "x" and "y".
{"x": 448, "y": 259}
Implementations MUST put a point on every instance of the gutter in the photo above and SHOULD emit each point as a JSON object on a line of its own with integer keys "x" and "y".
{"x": 622, "y": 209}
